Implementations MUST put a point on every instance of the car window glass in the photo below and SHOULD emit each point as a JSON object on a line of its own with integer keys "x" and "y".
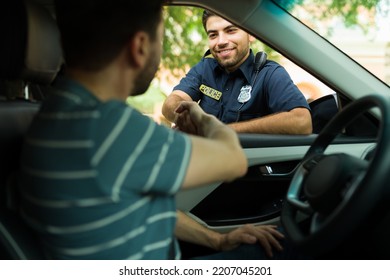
{"x": 361, "y": 29}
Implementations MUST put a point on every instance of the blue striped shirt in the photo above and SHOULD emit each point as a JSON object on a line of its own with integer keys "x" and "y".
{"x": 99, "y": 178}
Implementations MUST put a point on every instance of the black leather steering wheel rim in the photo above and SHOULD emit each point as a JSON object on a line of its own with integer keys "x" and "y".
{"x": 361, "y": 199}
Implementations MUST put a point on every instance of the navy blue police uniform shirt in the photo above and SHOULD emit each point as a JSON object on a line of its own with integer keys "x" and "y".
{"x": 218, "y": 92}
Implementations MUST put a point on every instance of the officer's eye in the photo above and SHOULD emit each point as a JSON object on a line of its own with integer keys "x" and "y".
{"x": 232, "y": 30}
{"x": 212, "y": 35}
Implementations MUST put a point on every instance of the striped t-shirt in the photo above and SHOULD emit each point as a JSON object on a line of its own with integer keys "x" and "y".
{"x": 99, "y": 178}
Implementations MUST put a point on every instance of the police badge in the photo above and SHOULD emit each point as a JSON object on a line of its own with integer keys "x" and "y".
{"x": 245, "y": 94}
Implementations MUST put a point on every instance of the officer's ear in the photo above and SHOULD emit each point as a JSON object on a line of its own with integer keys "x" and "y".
{"x": 251, "y": 39}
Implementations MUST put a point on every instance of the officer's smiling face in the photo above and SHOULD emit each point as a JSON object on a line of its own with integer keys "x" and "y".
{"x": 228, "y": 44}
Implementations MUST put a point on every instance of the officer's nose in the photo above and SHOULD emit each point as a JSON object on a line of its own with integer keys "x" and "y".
{"x": 222, "y": 39}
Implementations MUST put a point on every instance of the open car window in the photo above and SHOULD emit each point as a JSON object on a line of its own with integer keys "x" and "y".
{"x": 361, "y": 38}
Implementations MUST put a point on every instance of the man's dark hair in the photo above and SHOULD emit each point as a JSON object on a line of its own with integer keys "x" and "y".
{"x": 205, "y": 17}
{"x": 94, "y": 31}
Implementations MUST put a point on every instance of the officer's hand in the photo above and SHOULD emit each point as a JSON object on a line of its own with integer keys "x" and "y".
{"x": 189, "y": 117}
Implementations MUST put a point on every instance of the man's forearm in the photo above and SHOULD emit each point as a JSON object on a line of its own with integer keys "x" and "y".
{"x": 191, "y": 231}
{"x": 212, "y": 142}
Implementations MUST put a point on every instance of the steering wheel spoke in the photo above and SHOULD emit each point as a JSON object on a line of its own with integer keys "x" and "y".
{"x": 295, "y": 195}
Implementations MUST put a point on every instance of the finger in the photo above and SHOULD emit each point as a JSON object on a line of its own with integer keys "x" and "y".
{"x": 269, "y": 242}
{"x": 273, "y": 230}
{"x": 175, "y": 119}
{"x": 266, "y": 246}
{"x": 178, "y": 109}
{"x": 181, "y": 107}
{"x": 276, "y": 233}
{"x": 275, "y": 243}
{"x": 178, "y": 121}
{"x": 191, "y": 127}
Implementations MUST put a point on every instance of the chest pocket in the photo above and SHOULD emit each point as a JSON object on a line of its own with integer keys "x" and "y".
{"x": 211, "y": 106}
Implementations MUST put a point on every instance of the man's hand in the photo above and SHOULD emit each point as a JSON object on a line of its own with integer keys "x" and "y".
{"x": 189, "y": 117}
{"x": 266, "y": 235}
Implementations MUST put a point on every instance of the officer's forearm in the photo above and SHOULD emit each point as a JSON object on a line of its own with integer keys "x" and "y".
{"x": 296, "y": 121}
{"x": 169, "y": 106}
{"x": 172, "y": 102}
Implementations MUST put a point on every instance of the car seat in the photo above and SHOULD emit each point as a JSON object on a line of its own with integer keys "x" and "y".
{"x": 323, "y": 110}
{"x": 30, "y": 51}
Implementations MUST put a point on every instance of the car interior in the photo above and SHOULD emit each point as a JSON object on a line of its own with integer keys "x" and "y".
{"x": 281, "y": 187}
{"x": 32, "y": 54}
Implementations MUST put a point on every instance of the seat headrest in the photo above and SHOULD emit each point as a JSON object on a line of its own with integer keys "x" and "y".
{"x": 31, "y": 49}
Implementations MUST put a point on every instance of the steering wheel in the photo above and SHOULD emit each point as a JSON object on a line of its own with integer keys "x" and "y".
{"x": 334, "y": 193}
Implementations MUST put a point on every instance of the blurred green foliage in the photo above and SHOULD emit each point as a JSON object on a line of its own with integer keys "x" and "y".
{"x": 349, "y": 10}
{"x": 185, "y": 41}
{"x": 146, "y": 102}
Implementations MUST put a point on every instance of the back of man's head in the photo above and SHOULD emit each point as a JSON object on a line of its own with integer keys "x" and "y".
{"x": 94, "y": 31}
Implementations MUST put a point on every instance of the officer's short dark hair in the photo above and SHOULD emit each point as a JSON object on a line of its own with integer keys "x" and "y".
{"x": 205, "y": 17}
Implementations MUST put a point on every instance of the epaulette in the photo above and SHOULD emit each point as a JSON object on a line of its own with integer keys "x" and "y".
{"x": 208, "y": 54}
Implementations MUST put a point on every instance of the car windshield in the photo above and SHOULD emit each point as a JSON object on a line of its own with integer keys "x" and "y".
{"x": 360, "y": 29}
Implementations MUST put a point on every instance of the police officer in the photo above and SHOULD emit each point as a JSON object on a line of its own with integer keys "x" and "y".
{"x": 248, "y": 92}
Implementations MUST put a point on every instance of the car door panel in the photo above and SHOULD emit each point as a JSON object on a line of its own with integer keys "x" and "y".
{"x": 257, "y": 197}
